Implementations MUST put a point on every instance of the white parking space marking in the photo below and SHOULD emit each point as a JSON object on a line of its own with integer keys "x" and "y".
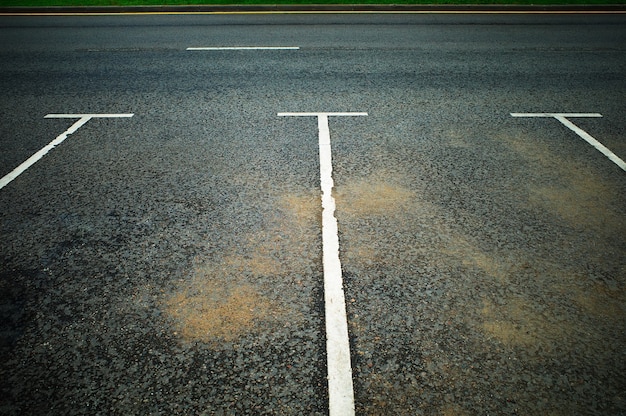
{"x": 340, "y": 388}
{"x": 243, "y": 48}
{"x": 82, "y": 119}
{"x": 89, "y": 116}
{"x": 563, "y": 118}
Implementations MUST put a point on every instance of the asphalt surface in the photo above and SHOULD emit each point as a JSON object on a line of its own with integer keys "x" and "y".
{"x": 170, "y": 263}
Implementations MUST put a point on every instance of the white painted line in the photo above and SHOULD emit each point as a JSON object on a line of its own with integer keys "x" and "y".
{"x": 88, "y": 115}
{"x": 340, "y": 387}
{"x": 322, "y": 114}
{"x": 556, "y": 114}
{"x": 243, "y": 48}
{"x": 82, "y": 119}
{"x": 563, "y": 118}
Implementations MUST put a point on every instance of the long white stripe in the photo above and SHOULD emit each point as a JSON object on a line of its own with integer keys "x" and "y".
{"x": 340, "y": 386}
{"x": 82, "y": 119}
{"x": 562, "y": 117}
{"x": 340, "y": 389}
{"x": 243, "y": 48}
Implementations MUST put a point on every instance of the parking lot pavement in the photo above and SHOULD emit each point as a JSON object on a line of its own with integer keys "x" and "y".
{"x": 166, "y": 253}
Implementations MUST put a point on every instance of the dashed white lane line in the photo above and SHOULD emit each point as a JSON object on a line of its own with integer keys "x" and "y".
{"x": 82, "y": 119}
{"x": 340, "y": 387}
{"x": 243, "y": 48}
{"x": 563, "y": 118}
{"x": 89, "y": 116}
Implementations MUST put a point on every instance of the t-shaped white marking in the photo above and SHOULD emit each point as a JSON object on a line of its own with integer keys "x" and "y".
{"x": 340, "y": 387}
{"x": 82, "y": 119}
{"x": 563, "y": 118}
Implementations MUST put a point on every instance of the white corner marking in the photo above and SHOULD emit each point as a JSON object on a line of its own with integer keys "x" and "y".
{"x": 564, "y": 119}
{"x": 82, "y": 119}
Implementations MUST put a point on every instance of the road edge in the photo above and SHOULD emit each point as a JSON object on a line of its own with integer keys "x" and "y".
{"x": 303, "y": 8}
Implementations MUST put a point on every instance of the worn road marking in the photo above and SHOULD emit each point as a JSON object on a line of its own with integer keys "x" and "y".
{"x": 563, "y": 118}
{"x": 243, "y": 48}
{"x": 82, "y": 119}
{"x": 340, "y": 388}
